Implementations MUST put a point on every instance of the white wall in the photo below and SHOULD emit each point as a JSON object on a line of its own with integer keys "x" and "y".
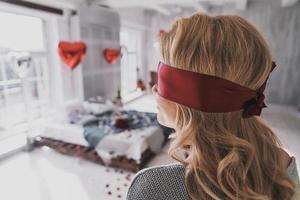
{"x": 100, "y": 29}
{"x": 280, "y": 26}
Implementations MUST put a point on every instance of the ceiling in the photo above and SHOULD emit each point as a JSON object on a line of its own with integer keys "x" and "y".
{"x": 166, "y": 7}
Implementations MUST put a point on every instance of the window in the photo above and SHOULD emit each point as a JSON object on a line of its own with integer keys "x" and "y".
{"x": 23, "y": 33}
{"x": 21, "y": 99}
{"x": 130, "y": 42}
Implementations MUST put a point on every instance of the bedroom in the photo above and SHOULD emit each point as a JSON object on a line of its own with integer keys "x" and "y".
{"x": 78, "y": 117}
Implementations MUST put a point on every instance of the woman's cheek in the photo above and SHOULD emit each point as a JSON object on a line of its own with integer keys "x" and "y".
{"x": 166, "y": 112}
{"x": 162, "y": 118}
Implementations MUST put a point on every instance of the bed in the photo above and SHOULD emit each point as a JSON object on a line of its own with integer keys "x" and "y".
{"x": 104, "y": 134}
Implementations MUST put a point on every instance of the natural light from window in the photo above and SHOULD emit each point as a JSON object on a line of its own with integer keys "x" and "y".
{"x": 21, "y": 98}
{"x": 22, "y": 33}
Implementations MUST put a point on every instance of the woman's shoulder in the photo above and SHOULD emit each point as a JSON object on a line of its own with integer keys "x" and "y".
{"x": 161, "y": 170}
{"x": 289, "y": 162}
{"x": 167, "y": 182}
{"x": 293, "y": 172}
{"x": 159, "y": 182}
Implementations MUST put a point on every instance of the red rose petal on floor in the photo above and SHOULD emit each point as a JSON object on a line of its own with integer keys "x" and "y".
{"x": 119, "y": 196}
{"x": 107, "y": 185}
{"x": 109, "y": 193}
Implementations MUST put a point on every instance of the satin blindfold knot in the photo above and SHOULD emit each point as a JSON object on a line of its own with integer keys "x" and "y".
{"x": 209, "y": 93}
{"x": 254, "y": 106}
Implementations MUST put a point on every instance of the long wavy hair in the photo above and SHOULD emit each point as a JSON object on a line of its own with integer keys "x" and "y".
{"x": 228, "y": 157}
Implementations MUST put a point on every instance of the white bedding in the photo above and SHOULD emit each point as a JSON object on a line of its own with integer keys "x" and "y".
{"x": 129, "y": 143}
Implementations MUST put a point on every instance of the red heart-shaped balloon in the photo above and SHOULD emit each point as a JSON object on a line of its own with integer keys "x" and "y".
{"x": 111, "y": 55}
{"x": 71, "y": 53}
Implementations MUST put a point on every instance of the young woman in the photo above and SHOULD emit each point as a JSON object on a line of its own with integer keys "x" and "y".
{"x": 210, "y": 90}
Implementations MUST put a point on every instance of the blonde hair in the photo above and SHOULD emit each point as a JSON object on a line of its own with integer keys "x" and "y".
{"x": 229, "y": 157}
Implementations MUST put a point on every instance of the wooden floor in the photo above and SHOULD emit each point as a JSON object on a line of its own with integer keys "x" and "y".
{"x": 46, "y": 175}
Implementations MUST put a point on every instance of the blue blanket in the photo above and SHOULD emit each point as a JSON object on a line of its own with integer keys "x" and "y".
{"x": 96, "y": 130}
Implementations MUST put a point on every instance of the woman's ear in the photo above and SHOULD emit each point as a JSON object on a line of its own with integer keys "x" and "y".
{"x": 154, "y": 89}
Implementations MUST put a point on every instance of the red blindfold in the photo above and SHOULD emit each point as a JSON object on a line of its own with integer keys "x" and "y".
{"x": 208, "y": 93}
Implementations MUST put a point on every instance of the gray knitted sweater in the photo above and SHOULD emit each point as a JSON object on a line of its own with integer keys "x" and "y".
{"x": 167, "y": 183}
